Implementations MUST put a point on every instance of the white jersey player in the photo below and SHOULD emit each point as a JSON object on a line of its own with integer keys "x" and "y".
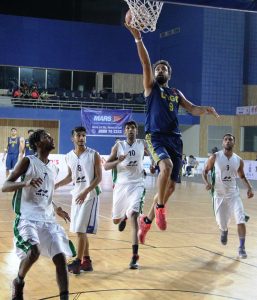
{"x": 131, "y": 168}
{"x": 35, "y": 227}
{"x": 85, "y": 171}
{"x": 126, "y": 161}
{"x": 225, "y": 167}
{"x": 84, "y": 217}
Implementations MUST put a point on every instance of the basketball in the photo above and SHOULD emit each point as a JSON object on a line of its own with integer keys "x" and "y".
{"x": 128, "y": 17}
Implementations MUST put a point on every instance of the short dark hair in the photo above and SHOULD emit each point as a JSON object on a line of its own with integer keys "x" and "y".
{"x": 14, "y": 128}
{"x": 229, "y": 134}
{"x": 31, "y": 130}
{"x": 78, "y": 129}
{"x": 35, "y": 138}
{"x": 163, "y": 62}
{"x": 130, "y": 123}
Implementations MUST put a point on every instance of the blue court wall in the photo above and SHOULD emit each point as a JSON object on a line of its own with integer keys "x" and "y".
{"x": 223, "y": 60}
{"x": 250, "y": 66}
{"x": 183, "y": 49}
{"x": 212, "y": 56}
{"x": 207, "y": 54}
{"x": 35, "y": 42}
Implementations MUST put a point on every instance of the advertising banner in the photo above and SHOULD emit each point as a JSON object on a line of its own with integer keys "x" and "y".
{"x": 105, "y": 122}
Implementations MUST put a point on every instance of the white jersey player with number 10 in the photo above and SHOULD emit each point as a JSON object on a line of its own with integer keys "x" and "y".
{"x": 126, "y": 161}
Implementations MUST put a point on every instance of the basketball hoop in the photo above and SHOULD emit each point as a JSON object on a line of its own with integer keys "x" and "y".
{"x": 144, "y": 14}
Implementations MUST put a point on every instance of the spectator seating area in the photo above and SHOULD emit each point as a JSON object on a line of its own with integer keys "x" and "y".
{"x": 65, "y": 99}
{"x": 102, "y": 96}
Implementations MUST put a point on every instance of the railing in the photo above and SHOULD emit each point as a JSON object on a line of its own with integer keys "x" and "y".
{"x": 74, "y": 104}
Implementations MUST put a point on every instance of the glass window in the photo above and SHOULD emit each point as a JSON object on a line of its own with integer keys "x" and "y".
{"x": 33, "y": 77}
{"x": 84, "y": 81}
{"x": 8, "y": 77}
{"x": 141, "y": 131}
{"x": 248, "y": 141}
{"x": 215, "y": 136}
{"x": 107, "y": 82}
{"x": 58, "y": 79}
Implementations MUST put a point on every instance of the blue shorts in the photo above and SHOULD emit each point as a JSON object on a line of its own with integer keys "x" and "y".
{"x": 163, "y": 146}
{"x": 11, "y": 160}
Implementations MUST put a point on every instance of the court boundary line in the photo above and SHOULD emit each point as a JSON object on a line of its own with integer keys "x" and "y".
{"x": 78, "y": 294}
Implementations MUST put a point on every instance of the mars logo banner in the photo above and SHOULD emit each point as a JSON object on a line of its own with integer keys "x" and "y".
{"x": 105, "y": 122}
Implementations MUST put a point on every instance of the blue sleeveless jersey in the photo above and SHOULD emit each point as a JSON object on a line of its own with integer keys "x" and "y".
{"x": 13, "y": 145}
{"x": 28, "y": 150}
{"x": 162, "y": 111}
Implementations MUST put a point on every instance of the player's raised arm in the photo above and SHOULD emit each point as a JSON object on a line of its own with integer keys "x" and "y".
{"x": 148, "y": 78}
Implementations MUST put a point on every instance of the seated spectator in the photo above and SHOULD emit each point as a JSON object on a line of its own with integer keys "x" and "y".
{"x": 103, "y": 94}
{"x": 44, "y": 95}
{"x": 184, "y": 162}
{"x": 12, "y": 86}
{"x": 17, "y": 93}
{"x": 24, "y": 88}
{"x": 191, "y": 164}
{"x": 93, "y": 93}
{"x": 34, "y": 94}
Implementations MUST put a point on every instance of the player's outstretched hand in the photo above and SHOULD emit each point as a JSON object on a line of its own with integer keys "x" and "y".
{"x": 136, "y": 33}
{"x": 211, "y": 110}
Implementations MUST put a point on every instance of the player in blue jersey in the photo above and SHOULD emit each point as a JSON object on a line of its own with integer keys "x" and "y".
{"x": 12, "y": 151}
{"x": 162, "y": 130}
{"x": 25, "y": 149}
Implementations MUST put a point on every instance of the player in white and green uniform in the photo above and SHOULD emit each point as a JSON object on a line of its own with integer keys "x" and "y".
{"x": 85, "y": 171}
{"x": 126, "y": 161}
{"x": 226, "y": 166}
{"x": 35, "y": 227}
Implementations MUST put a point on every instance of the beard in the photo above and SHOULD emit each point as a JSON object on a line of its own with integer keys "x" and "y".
{"x": 161, "y": 79}
{"x": 228, "y": 148}
{"x": 50, "y": 147}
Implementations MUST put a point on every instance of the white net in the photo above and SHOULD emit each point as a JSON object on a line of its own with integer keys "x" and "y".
{"x": 144, "y": 14}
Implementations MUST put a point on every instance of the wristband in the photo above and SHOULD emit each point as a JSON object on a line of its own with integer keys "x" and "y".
{"x": 138, "y": 40}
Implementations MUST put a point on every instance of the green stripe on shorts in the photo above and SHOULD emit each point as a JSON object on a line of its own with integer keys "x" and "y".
{"x": 20, "y": 243}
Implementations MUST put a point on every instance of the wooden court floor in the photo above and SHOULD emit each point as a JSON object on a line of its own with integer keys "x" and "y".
{"x": 185, "y": 262}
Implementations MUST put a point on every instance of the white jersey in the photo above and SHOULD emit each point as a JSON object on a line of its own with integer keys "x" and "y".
{"x": 83, "y": 171}
{"x": 36, "y": 203}
{"x": 130, "y": 170}
{"x": 226, "y": 173}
